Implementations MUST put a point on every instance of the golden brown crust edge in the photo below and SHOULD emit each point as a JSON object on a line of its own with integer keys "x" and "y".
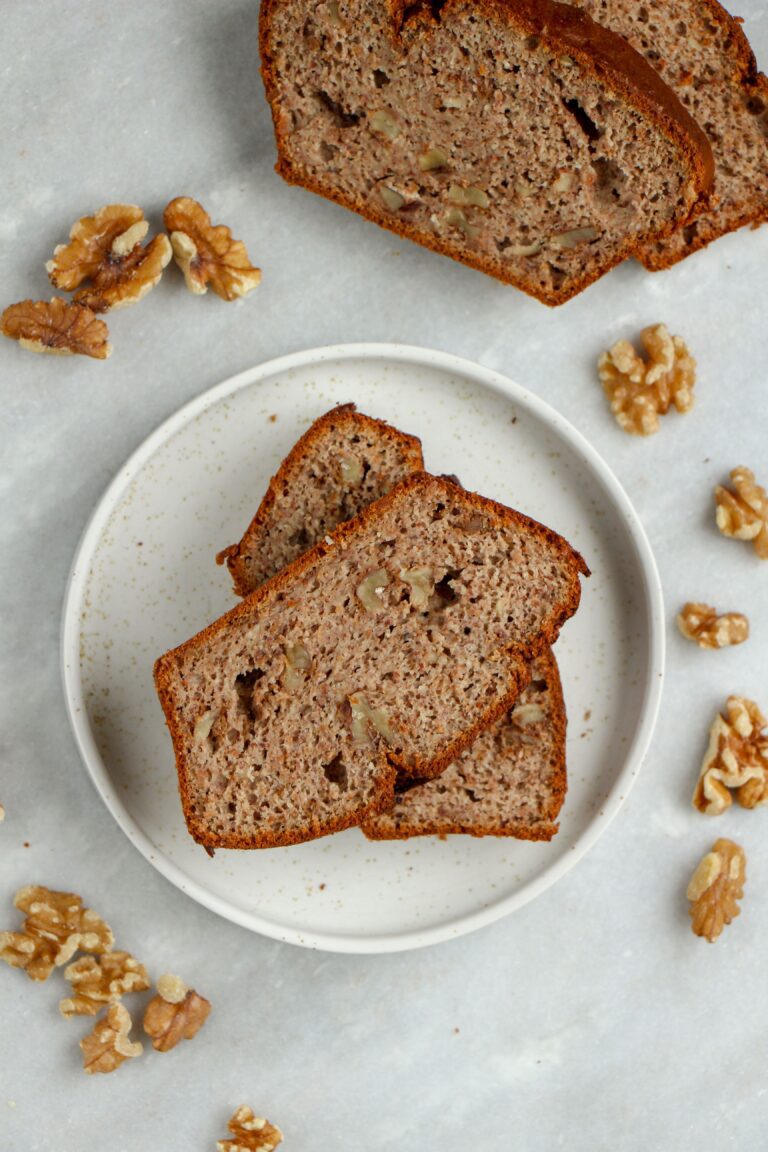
{"x": 658, "y": 259}
{"x": 573, "y": 32}
{"x": 411, "y": 446}
{"x": 543, "y": 829}
{"x": 165, "y": 664}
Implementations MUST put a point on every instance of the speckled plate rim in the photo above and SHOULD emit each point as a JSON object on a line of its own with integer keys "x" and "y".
{"x": 652, "y": 689}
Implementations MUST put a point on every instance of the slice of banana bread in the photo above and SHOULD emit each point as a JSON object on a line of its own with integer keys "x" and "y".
{"x": 703, "y": 54}
{"x": 517, "y": 136}
{"x": 510, "y": 782}
{"x": 342, "y": 463}
{"x": 391, "y": 644}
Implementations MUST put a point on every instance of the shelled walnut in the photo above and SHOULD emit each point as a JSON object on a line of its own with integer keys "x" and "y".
{"x": 736, "y": 758}
{"x": 175, "y": 1013}
{"x": 207, "y": 254}
{"x": 641, "y": 390}
{"x": 56, "y": 926}
{"x": 701, "y": 623}
{"x": 96, "y": 982}
{"x": 109, "y": 1044}
{"x": 715, "y": 889}
{"x": 107, "y": 250}
{"x": 742, "y": 513}
{"x": 251, "y": 1133}
{"x": 56, "y": 327}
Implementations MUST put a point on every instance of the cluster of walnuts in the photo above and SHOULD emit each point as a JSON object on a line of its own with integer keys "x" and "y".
{"x": 640, "y": 389}
{"x": 107, "y": 264}
{"x": 55, "y": 928}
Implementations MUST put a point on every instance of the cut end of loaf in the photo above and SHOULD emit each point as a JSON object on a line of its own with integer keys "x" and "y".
{"x": 407, "y": 124}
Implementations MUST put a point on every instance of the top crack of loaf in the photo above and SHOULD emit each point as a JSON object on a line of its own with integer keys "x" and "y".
{"x": 390, "y": 644}
{"x": 518, "y": 136}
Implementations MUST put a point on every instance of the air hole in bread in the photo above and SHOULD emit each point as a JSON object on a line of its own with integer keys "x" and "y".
{"x": 583, "y": 119}
{"x": 336, "y": 773}
{"x": 244, "y": 686}
{"x": 444, "y": 590}
{"x": 342, "y": 116}
{"x": 380, "y": 78}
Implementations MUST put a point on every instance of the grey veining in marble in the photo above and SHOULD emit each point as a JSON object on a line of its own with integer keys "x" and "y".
{"x": 589, "y": 1020}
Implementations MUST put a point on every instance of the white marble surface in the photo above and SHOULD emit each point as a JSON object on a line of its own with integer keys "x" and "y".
{"x": 589, "y": 1020}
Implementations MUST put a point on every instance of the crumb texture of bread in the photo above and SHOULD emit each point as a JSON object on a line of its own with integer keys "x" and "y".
{"x": 290, "y": 714}
{"x": 342, "y": 463}
{"x": 703, "y": 54}
{"x": 510, "y": 782}
{"x": 518, "y": 137}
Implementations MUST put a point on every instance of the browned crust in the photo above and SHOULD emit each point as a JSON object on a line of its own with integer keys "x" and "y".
{"x": 543, "y": 829}
{"x": 566, "y": 30}
{"x": 342, "y": 413}
{"x": 753, "y": 84}
{"x": 166, "y": 665}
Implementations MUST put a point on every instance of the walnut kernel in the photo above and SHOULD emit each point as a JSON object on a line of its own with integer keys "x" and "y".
{"x": 96, "y": 982}
{"x": 56, "y": 926}
{"x": 736, "y": 757}
{"x": 109, "y": 1044}
{"x": 56, "y": 327}
{"x": 364, "y": 715}
{"x": 641, "y": 390}
{"x": 422, "y": 585}
{"x": 251, "y": 1133}
{"x": 207, "y": 254}
{"x": 370, "y": 590}
{"x": 743, "y": 513}
{"x": 351, "y": 470}
{"x": 715, "y": 889}
{"x": 108, "y": 250}
{"x": 175, "y": 1013}
{"x": 700, "y": 622}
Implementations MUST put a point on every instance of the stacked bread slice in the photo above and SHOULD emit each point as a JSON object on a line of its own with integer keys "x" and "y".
{"x": 540, "y": 142}
{"x": 392, "y": 652}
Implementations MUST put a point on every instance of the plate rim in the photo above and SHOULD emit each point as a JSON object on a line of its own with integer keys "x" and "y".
{"x": 71, "y": 672}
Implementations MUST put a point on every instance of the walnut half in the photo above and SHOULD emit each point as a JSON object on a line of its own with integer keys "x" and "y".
{"x": 639, "y": 391}
{"x": 251, "y": 1133}
{"x": 207, "y": 254}
{"x": 736, "y": 758}
{"x": 107, "y": 250}
{"x": 109, "y": 1044}
{"x": 175, "y": 1013}
{"x": 701, "y": 623}
{"x": 96, "y": 982}
{"x": 57, "y": 328}
{"x": 56, "y": 926}
{"x": 715, "y": 889}
{"x": 742, "y": 513}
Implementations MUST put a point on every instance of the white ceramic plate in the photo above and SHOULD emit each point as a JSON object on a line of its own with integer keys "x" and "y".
{"x": 144, "y": 579}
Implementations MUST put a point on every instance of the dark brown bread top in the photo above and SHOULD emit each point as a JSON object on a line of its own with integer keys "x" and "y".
{"x": 702, "y": 53}
{"x": 342, "y": 463}
{"x": 510, "y": 782}
{"x": 391, "y": 644}
{"x": 571, "y": 150}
